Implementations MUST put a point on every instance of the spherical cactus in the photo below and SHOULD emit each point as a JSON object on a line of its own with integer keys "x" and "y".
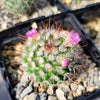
{"x": 45, "y": 53}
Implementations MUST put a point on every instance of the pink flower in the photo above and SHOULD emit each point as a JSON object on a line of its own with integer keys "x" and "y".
{"x": 31, "y": 32}
{"x": 64, "y": 62}
{"x": 73, "y": 38}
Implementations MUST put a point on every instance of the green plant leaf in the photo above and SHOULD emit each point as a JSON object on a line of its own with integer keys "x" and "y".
{"x": 39, "y": 78}
{"x": 51, "y": 73}
{"x": 46, "y": 77}
{"x": 68, "y": 49}
{"x": 55, "y": 65}
{"x": 53, "y": 82}
{"x": 36, "y": 70}
{"x": 37, "y": 41}
{"x": 25, "y": 59}
{"x": 42, "y": 68}
{"x": 37, "y": 63}
{"x": 34, "y": 56}
{"x": 61, "y": 39}
{"x": 29, "y": 70}
{"x": 50, "y": 62}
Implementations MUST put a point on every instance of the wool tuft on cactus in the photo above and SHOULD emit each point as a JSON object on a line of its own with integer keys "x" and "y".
{"x": 45, "y": 52}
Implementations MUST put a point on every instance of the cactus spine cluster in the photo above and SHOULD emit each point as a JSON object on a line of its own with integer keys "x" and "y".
{"x": 45, "y": 53}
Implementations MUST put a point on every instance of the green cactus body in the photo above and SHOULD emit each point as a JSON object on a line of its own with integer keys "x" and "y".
{"x": 17, "y": 7}
{"x": 45, "y": 54}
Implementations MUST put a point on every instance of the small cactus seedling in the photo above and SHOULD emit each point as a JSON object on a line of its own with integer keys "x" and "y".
{"x": 17, "y": 7}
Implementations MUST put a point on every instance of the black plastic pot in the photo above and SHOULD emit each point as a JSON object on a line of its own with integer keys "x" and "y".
{"x": 4, "y": 93}
{"x": 83, "y": 14}
{"x": 95, "y": 95}
{"x": 68, "y": 20}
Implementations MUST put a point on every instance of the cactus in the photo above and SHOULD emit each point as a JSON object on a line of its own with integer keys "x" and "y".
{"x": 46, "y": 53}
{"x": 17, "y": 7}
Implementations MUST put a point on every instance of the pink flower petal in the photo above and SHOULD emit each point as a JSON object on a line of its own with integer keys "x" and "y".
{"x": 31, "y": 33}
{"x": 64, "y": 63}
{"x": 73, "y": 38}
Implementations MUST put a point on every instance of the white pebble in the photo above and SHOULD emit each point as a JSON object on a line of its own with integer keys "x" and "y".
{"x": 60, "y": 94}
{"x": 80, "y": 87}
{"x": 4, "y": 25}
{"x": 79, "y": 92}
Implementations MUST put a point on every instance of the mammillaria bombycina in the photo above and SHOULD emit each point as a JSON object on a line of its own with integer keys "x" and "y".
{"x": 46, "y": 56}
